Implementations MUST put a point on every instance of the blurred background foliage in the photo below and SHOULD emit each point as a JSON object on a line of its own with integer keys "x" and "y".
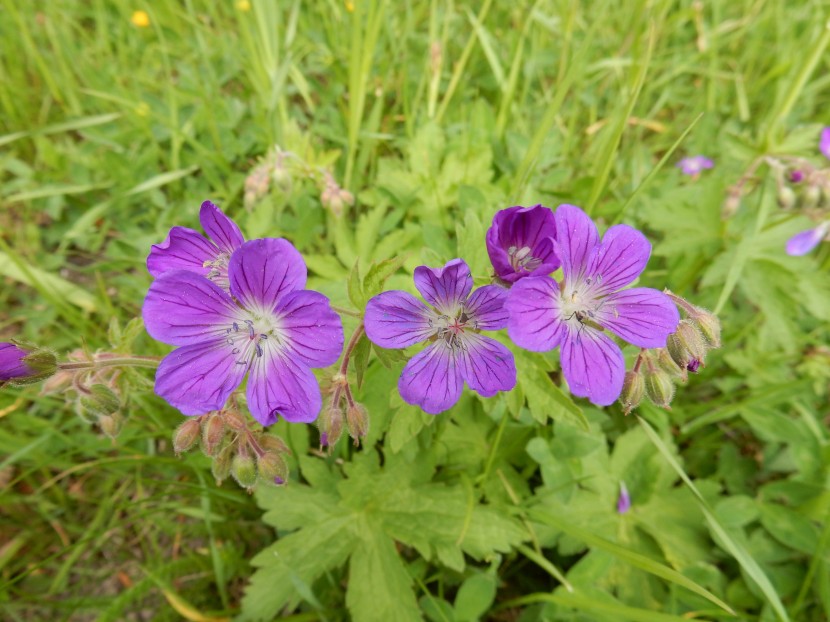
{"x": 115, "y": 125}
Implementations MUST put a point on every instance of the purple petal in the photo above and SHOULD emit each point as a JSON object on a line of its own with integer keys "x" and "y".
{"x": 533, "y": 309}
{"x": 624, "y": 500}
{"x": 11, "y": 363}
{"x": 693, "y": 165}
{"x": 486, "y": 307}
{"x": 397, "y": 319}
{"x": 824, "y": 142}
{"x": 518, "y": 228}
{"x": 281, "y": 386}
{"x": 221, "y": 229}
{"x": 313, "y": 332}
{"x": 260, "y": 271}
{"x": 182, "y": 308}
{"x": 199, "y": 378}
{"x": 641, "y": 316}
{"x": 802, "y": 243}
{"x": 184, "y": 249}
{"x": 445, "y": 288}
{"x": 576, "y": 237}
{"x": 593, "y": 365}
{"x": 431, "y": 379}
{"x": 620, "y": 258}
{"x": 486, "y": 365}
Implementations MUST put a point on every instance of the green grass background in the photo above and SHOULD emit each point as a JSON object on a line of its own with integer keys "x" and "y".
{"x": 434, "y": 114}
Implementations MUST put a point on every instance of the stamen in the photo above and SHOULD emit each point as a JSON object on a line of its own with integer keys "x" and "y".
{"x": 235, "y": 351}
{"x": 235, "y": 327}
{"x": 263, "y": 336}
{"x": 259, "y": 350}
{"x": 251, "y": 331}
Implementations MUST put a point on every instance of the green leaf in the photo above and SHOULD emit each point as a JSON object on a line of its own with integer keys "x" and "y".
{"x": 379, "y": 272}
{"x": 790, "y": 528}
{"x": 355, "y": 290}
{"x": 545, "y": 399}
{"x": 42, "y": 280}
{"x": 388, "y": 358}
{"x": 161, "y": 179}
{"x": 360, "y": 358}
{"x": 407, "y": 422}
{"x": 475, "y": 597}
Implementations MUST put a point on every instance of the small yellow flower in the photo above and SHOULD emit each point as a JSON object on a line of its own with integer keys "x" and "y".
{"x": 243, "y": 5}
{"x": 140, "y": 19}
{"x": 350, "y": 6}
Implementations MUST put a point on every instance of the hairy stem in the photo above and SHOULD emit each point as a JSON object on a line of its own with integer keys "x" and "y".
{"x": 125, "y": 361}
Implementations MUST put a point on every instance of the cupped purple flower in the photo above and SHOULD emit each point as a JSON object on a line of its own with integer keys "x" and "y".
{"x": 573, "y": 313}
{"x": 624, "y": 500}
{"x": 433, "y": 379}
{"x": 11, "y": 362}
{"x": 693, "y": 165}
{"x": 802, "y": 243}
{"x": 186, "y": 249}
{"x": 824, "y": 142}
{"x": 520, "y": 242}
{"x": 268, "y": 327}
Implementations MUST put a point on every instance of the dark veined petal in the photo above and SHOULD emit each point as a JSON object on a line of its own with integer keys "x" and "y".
{"x": 396, "y": 319}
{"x": 184, "y": 249}
{"x": 221, "y": 229}
{"x": 620, "y": 258}
{"x": 445, "y": 288}
{"x": 641, "y": 316}
{"x": 280, "y": 386}
{"x": 593, "y": 365}
{"x": 576, "y": 237}
{"x": 533, "y": 314}
{"x": 260, "y": 271}
{"x": 519, "y": 227}
{"x": 199, "y": 378}
{"x": 486, "y": 307}
{"x": 183, "y": 308}
{"x": 11, "y": 363}
{"x": 431, "y": 379}
{"x": 313, "y": 331}
{"x": 486, "y": 365}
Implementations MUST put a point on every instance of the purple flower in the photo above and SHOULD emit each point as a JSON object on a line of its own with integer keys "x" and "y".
{"x": 796, "y": 176}
{"x": 520, "y": 243}
{"x": 693, "y": 165}
{"x": 824, "y": 142}
{"x": 544, "y": 314}
{"x": 268, "y": 325}
{"x": 433, "y": 379}
{"x": 11, "y": 362}
{"x": 802, "y": 243}
{"x": 624, "y": 500}
{"x": 186, "y": 249}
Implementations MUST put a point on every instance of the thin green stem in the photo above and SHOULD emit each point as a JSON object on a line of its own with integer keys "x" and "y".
{"x": 127, "y": 361}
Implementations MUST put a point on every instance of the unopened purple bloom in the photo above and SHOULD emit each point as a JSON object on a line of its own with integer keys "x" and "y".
{"x": 693, "y": 165}
{"x": 11, "y": 362}
{"x": 268, "y": 325}
{"x": 186, "y": 249}
{"x": 802, "y": 243}
{"x": 544, "y": 314}
{"x": 434, "y": 378}
{"x": 520, "y": 242}
{"x": 796, "y": 176}
{"x": 624, "y": 500}
{"x": 693, "y": 365}
{"x": 824, "y": 142}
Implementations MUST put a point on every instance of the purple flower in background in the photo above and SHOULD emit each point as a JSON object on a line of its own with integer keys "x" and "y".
{"x": 11, "y": 362}
{"x": 824, "y": 142}
{"x": 272, "y": 327}
{"x": 520, "y": 242}
{"x": 433, "y": 379}
{"x": 802, "y": 243}
{"x": 693, "y": 165}
{"x": 544, "y": 314}
{"x": 624, "y": 500}
{"x": 186, "y": 249}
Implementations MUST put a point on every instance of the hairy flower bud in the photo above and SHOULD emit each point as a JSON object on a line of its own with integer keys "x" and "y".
{"x": 100, "y": 401}
{"x": 221, "y": 466}
{"x": 686, "y": 344}
{"x": 634, "y": 387}
{"x": 659, "y": 388}
{"x": 330, "y": 423}
{"x": 731, "y": 204}
{"x": 269, "y": 442}
{"x": 786, "y": 197}
{"x": 810, "y": 196}
{"x": 709, "y": 326}
{"x": 272, "y": 467}
{"x": 243, "y": 469}
{"x": 234, "y": 420}
{"x": 111, "y": 424}
{"x": 213, "y": 431}
{"x": 796, "y": 176}
{"x": 186, "y": 435}
{"x": 357, "y": 418}
{"x": 23, "y": 363}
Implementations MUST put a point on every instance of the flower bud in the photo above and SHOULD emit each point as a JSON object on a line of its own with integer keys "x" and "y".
{"x": 357, "y": 418}
{"x": 731, "y": 204}
{"x": 221, "y": 466}
{"x": 234, "y": 420}
{"x": 272, "y": 467}
{"x": 796, "y": 176}
{"x": 100, "y": 401}
{"x": 786, "y": 197}
{"x": 282, "y": 178}
{"x": 186, "y": 435}
{"x": 330, "y": 423}
{"x": 634, "y": 387}
{"x": 709, "y": 326}
{"x": 686, "y": 344}
{"x": 269, "y": 442}
{"x": 659, "y": 388}
{"x": 825, "y": 194}
{"x": 111, "y": 424}
{"x": 213, "y": 431}
{"x": 667, "y": 364}
{"x": 243, "y": 469}
{"x": 810, "y": 196}
{"x": 23, "y": 363}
